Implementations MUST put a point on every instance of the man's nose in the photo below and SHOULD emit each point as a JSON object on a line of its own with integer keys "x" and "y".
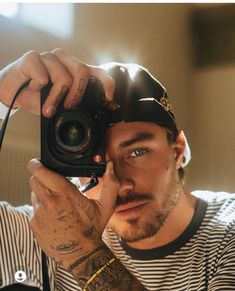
{"x": 125, "y": 179}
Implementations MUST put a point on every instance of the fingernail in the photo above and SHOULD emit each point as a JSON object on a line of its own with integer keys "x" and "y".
{"x": 50, "y": 110}
{"x": 110, "y": 167}
{"x": 32, "y": 164}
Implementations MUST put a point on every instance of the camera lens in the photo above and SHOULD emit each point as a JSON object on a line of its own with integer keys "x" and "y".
{"x": 72, "y": 132}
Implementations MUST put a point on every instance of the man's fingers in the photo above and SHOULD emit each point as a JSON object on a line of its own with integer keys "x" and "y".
{"x": 81, "y": 73}
{"x": 51, "y": 180}
{"x": 106, "y": 80}
{"x": 56, "y": 95}
{"x": 77, "y": 89}
{"x": 109, "y": 192}
{"x": 34, "y": 201}
{"x": 68, "y": 75}
{"x": 32, "y": 68}
{"x": 28, "y": 67}
{"x": 40, "y": 195}
{"x": 61, "y": 80}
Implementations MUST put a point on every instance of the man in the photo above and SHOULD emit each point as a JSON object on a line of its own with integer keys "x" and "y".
{"x": 155, "y": 236}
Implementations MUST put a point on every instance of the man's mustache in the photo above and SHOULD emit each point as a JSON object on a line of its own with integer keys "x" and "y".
{"x": 133, "y": 197}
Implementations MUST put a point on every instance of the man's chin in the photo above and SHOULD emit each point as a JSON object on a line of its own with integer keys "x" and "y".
{"x": 135, "y": 233}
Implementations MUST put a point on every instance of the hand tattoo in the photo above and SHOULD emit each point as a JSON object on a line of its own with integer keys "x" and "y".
{"x": 68, "y": 248}
{"x": 83, "y": 259}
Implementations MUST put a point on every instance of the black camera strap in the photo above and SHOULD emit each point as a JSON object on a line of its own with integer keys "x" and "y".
{"x": 45, "y": 276}
{"x": 89, "y": 185}
{"x": 4, "y": 125}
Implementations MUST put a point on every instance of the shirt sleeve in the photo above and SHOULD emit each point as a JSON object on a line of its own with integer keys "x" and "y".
{"x": 224, "y": 277}
{"x": 4, "y": 109}
{"x": 18, "y": 249}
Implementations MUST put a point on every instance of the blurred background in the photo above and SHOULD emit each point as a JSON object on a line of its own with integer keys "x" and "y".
{"x": 190, "y": 48}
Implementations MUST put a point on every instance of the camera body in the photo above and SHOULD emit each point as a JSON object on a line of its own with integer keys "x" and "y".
{"x": 73, "y": 141}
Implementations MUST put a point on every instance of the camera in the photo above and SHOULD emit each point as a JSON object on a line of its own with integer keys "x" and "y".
{"x": 73, "y": 141}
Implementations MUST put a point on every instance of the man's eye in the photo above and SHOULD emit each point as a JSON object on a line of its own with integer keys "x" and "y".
{"x": 137, "y": 153}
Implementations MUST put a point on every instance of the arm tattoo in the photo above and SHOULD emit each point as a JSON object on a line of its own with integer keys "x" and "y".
{"x": 68, "y": 248}
{"x": 83, "y": 259}
{"x": 114, "y": 277}
{"x": 91, "y": 233}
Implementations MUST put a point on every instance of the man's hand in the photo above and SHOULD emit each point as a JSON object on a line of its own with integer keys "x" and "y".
{"x": 66, "y": 224}
{"x": 68, "y": 74}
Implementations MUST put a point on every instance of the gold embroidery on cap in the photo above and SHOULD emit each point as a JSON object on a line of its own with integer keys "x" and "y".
{"x": 166, "y": 104}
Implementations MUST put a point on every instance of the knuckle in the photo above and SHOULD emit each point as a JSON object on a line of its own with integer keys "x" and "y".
{"x": 97, "y": 71}
{"x": 64, "y": 81}
{"x": 100, "y": 70}
{"x": 46, "y": 54}
{"x": 58, "y": 51}
{"x": 82, "y": 68}
{"x": 32, "y": 54}
{"x": 50, "y": 204}
{"x": 48, "y": 57}
{"x": 108, "y": 81}
{"x": 42, "y": 80}
{"x": 68, "y": 80}
{"x": 38, "y": 171}
{"x": 66, "y": 190}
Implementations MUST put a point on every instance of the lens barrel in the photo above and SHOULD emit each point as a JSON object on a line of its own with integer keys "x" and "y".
{"x": 72, "y": 132}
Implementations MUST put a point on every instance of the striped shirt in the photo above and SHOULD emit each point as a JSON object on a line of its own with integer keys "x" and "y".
{"x": 201, "y": 258}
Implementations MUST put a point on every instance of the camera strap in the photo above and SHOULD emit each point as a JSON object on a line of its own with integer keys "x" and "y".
{"x": 92, "y": 183}
{"x": 45, "y": 276}
{"x": 4, "y": 125}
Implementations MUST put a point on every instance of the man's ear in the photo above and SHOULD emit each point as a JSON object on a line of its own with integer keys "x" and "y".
{"x": 179, "y": 148}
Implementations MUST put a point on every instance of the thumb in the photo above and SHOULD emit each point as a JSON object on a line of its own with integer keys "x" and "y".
{"x": 109, "y": 192}
{"x": 52, "y": 181}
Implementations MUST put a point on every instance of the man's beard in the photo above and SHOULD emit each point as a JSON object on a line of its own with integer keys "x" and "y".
{"x": 137, "y": 230}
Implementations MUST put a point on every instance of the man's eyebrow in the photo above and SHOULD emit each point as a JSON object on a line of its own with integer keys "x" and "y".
{"x": 139, "y": 137}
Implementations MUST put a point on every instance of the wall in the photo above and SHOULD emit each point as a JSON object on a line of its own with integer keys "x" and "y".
{"x": 212, "y": 114}
{"x": 154, "y": 35}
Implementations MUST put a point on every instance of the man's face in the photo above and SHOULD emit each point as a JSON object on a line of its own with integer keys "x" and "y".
{"x": 146, "y": 167}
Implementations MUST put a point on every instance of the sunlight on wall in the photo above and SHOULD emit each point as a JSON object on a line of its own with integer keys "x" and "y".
{"x": 9, "y": 9}
{"x": 54, "y": 18}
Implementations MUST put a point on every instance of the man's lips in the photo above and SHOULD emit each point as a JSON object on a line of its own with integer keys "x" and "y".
{"x": 129, "y": 206}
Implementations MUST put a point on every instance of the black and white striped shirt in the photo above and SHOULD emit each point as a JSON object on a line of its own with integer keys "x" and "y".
{"x": 201, "y": 258}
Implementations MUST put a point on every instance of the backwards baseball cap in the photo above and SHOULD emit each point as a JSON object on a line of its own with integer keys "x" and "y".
{"x": 141, "y": 97}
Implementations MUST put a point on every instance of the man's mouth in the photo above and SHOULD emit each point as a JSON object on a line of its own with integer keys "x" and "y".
{"x": 130, "y": 208}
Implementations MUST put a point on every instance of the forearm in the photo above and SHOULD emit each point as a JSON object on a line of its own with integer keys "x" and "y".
{"x": 113, "y": 276}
